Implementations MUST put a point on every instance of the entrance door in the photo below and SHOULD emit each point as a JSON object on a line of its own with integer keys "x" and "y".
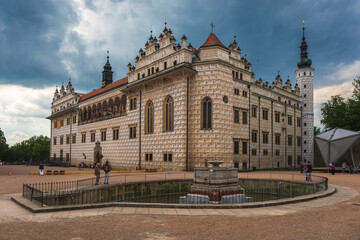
{"x": 244, "y": 166}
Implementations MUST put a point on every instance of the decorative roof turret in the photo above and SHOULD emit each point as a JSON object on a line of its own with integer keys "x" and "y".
{"x": 56, "y": 93}
{"x": 107, "y": 74}
{"x": 304, "y": 61}
{"x": 69, "y": 88}
{"x": 62, "y": 90}
{"x": 278, "y": 80}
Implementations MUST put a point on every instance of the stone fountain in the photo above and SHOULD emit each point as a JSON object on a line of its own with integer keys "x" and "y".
{"x": 215, "y": 185}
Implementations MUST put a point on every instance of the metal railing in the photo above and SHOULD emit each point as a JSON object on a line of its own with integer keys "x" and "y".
{"x": 126, "y": 188}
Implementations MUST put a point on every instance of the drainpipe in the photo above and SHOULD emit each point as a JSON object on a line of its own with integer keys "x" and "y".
{"x": 140, "y": 93}
{"x": 295, "y": 138}
{"x": 272, "y": 135}
{"x": 259, "y": 132}
{"x": 187, "y": 125}
{"x": 249, "y": 128}
{"x": 70, "y": 137}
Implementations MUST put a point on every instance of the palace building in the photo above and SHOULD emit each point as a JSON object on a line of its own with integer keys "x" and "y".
{"x": 180, "y": 107}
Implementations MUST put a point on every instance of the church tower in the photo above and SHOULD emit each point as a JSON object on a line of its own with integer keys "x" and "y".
{"x": 107, "y": 74}
{"x": 305, "y": 81}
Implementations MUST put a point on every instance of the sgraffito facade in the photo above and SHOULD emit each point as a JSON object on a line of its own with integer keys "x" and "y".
{"x": 180, "y": 107}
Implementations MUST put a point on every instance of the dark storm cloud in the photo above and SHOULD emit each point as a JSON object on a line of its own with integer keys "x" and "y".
{"x": 31, "y": 32}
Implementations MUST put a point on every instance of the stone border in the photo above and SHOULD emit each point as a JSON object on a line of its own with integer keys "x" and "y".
{"x": 36, "y": 208}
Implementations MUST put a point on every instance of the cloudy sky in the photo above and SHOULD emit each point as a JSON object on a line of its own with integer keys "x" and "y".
{"x": 44, "y": 42}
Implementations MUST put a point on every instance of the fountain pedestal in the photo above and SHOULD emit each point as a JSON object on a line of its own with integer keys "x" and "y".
{"x": 215, "y": 185}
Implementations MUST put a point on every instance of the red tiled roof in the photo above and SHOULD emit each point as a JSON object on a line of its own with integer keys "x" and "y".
{"x": 212, "y": 40}
{"x": 106, "y": 88}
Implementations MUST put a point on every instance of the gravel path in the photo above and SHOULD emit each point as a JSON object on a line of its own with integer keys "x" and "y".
{"x": 336, "y": 221}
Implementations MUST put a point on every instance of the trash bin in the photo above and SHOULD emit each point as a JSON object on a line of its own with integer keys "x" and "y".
{"x": 41, "y": 169}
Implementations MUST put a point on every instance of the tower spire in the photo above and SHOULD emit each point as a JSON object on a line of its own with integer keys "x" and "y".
{"x": 107, "y": 73}
{"x": 304, "y": 61}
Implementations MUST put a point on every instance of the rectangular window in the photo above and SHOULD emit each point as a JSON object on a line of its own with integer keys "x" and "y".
{"x": 236, "y": 91}
{"x": 54, "y": 140}
{"x": 132, "y": 103}
{"x": 244, "y": 93}
{"x": 279, "y": 99}
{"x": 244, "y": 115}
{"x": 265, "y": 152}
{"x": 168, "y": 157}
{"x": 74, "y": 138}
{"x": 254, "y": 111}
{"x": 290, "y": 137}
{"x": 289, "y": 120}
{"x": 68, "y": 139}
{"x": 74, "y": 119}
{"x": 254, "y": 136}
{"x": 62, "y": 123}
{"x": 138, "y": 76}
{"x": 236, "y": 115}
{"x": 265, "y": 137}
{"x": 277, "y": 138}
{"x": 116, "y": 134}
{"x": 298, "y": 141}
{"x": 92, "y": 137}
{"x": 244, "y": 147}
{"x": 289, "y": 160}
{"x": 83, "y": 137}
{"x": 148, "y": 71}
{"x": 165, "y": 65}
{"x": 298, "y": 121}
{"x": 132, "y": 132}
{"x": 253, "y": 151}
{"x": 148, "y": 157}
{"x": 67, "y": 157}
{"x": 152, "y": 70}
{"x": 55, "y": 124}
{"x": 236, "y": 147}
{"x": 103, "y": 135}
{"x": 265, "y": 114}
{"x": 236, "y": 74}
{"x": 68, "y": 121}
{"x": 61, "y": 154}
{"x": 277, "y": 117}
{"x": 277, "y": 152}
{"x": 61, "y": 140}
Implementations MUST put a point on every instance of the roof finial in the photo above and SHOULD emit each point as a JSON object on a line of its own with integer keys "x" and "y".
{"x": 303, "y": 29}
{"x": 212, "y": 26}
{"x": 234, "y": 38}
{"x": 279, "y": 73}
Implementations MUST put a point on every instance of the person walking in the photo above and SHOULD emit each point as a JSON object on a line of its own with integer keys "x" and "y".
{"x": 332, "y": 168}
{"x": 97, "y": 173}
{"x": 107, "y": 169}
{"x": 343, "y": 167}
{"x": 302, "y": 166}
{"x": 308, "y": 171}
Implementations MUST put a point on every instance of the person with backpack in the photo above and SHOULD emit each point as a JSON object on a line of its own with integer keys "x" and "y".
{"x": 97, "y": 173}
{"x": 107, "y": 169}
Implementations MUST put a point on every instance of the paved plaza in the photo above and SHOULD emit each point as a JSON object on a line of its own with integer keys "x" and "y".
{"x": 333, "y": 217}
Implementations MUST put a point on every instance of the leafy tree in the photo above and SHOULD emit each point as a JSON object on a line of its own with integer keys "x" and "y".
{"x": 316, "y": 130}
{"x": 334, "y": 113}
{"x": 41, "y": 148}
{"x": 3, "y": 144}
{"x": 338, "y": 112}
{"x": 356, "y": 91}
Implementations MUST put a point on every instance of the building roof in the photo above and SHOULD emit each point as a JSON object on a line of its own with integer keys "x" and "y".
{"x": 108, "y": 87}
{"x": 212, "y": 40}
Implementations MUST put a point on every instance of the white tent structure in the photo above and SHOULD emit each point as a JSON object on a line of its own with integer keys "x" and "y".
{"x": 337, "y": 143}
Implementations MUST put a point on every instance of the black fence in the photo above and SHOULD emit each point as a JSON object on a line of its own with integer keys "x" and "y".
{"x": 168, "y": 188}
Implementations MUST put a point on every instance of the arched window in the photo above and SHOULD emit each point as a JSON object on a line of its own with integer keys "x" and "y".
{"x": 206, "y": 110}
{"x": 85, "y": 114}
{"x": 149, "y": 117}
{"x": 168, "y": 119}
